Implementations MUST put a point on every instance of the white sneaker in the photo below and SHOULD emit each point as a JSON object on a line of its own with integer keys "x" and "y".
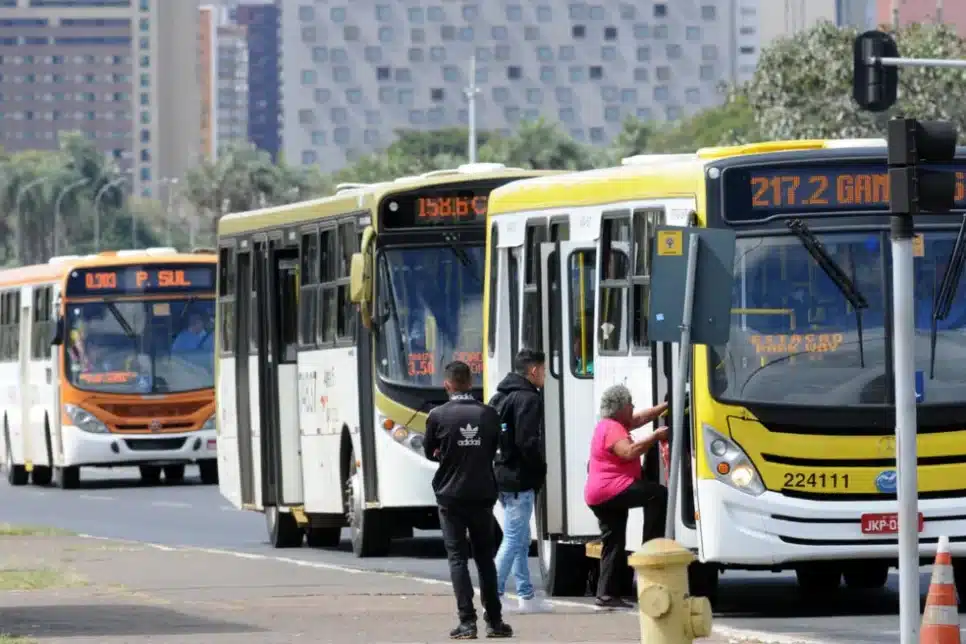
{"x": 533, "y": 605}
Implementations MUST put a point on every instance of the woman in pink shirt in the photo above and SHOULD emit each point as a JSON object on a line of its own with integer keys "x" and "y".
{"x": 614, "y": 485}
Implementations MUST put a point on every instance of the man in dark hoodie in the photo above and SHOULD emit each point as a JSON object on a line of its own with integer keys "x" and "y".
{"x": 520, "y": 470}
{"x": 462, "y": 435}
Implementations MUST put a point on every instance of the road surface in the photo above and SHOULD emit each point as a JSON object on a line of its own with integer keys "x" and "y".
{"x": 113, "y": 504}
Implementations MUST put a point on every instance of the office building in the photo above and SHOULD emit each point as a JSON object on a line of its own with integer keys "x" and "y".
{"x": 224, "y": 81}
{"x": 262, "y": 24}
{"x": 780, "y": 18}
{"x": 123, "y": 72}
{"x": 354, "y": 72}
{"x": 952, "y": 12}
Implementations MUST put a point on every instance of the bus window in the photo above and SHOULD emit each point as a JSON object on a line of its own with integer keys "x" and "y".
{"x": 532, "y": 333}
{"x": 615, "y": 266}
{"x": 308, "y": 290}
{"x": 494, "y": 288}
{"x": 581, "y": 270}
{"x": 513, "y": 277}
{"x": 644, "y": 223}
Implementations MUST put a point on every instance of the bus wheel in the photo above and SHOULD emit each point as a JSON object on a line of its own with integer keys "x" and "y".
{"x": 703, "y": 580}
{"x": 563, "y": 568}
{"x": 819, "y": 577}
{"x": 283, "y": 530}
{"x": 867, "y": 575}
{"x": 208, "y": 469}
{"x": 67, "y": 478}
{"x": 16, "y": 474}
{"x": 369, "y": 538}
{"x": 174, "y": 473}
{"x": 150, "y": 474}
{"x": 41, "y": 475}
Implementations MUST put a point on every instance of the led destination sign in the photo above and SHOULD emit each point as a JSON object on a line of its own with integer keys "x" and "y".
{"x": 752, "y": 194}
{"x": 445, "y": 205}
{"x": 128, "y": 280}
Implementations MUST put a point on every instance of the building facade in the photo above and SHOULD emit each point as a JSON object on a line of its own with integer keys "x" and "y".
{"x": 223, "y": 50}
{"x": 780, "y": 18}
{"x": 354, "y": 72}
{"x": 123, "y": 72}
{"x": 952, "y": 12}
{"x": 262, "y": 22}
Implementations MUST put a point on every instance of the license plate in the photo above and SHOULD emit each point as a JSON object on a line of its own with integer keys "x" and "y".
{"x": 212, "y": 444}
{"x": 885, "y": 523}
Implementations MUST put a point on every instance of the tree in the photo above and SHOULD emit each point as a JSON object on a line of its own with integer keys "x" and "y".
{"x": 802, "y": 88}
{"x": 728, "y": 124}
{"x": 541, "y": 144}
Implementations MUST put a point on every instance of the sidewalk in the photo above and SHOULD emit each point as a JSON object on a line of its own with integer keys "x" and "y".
{"x": 85, "y": 591}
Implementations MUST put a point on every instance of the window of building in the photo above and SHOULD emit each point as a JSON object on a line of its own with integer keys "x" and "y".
{"x": 747, "y": 31}
{"x": 373, "y": 117}
{"x": 306, "y": 117}
{"x": 544, "y": 13}
{"x": 404, "y": 75}
{"x": 341, "y": 135}
{"x": 693, "y": 33}
{"x": 482, "y": 54}
{"x": 579, "y": 11}
{"x": 415, "y": 56}
{"x": 610, "y": 33}
{"x": 577, "y": 74}
{"x": 693, "y": 95}
{"x": 548, "y": 74}
{"x": 514, "y": 13}
{"x": 322, "y": 95}
{"x": 385, "y": 34}
{"x": 353, "y": 96}
{"x": 370, "y": 137}
{"x": 318, "y": 137}
{"x": 534, "y": 96}
{"x": 387, "y": 95}
{"x": 309, "y": 157}
{"x": 337, "y": 14}
{"x": 417, "y": 36}
{"x": 417, "y": 117}
{"x": 482, "y": 74}
{"x": 746, "y": 50}
{"x": 564, "y": 95}
{"x": 435, "y": 115}
{"x": 673, "y": 51}
{"x": 660, "y": 32}
{"x": 498, "y": 33}
{"x": 406, "y": 97}
{"x": 451, "y": 74}
{"x": 661, "y": 93}
{"x": 306, "y": 13}
{"x": 470, "y": 12}
{"x": 511, "y": 114}
{"x": 415, "y": 15}
{"x": 502, "y": 52}
{"x": 611, "y": 115}
{"x": 645, "y": 114}
{"x": 531, "y": 33}
{"x": 437, "y": 94}
{"x": 708, "y": 12}
{"x": 320, "y": 54}
{"x": 578, "y": 31}
{"x": 709, "y": 52}
{"x": 466, "y": 34}
{"x": 596, "y": 72}
{"x": 642, "y": 32}
{"x": 514, "y": 72}
{"x": 567, "y": 53}
{"x": 608, "y": 53}
{"x": 673, "y": 113}
{"x": 447, "y": 32}
{"x": 339, "y": 56}
{"x": 567, "y": 115}
{"x": 373, "y": 54}
{"x": 663, "y": 73}
{"x": 436, "y": 14}
{"x": 341, "y": 74}
{"x": 309, "y": 34}
{"x": 383, "y": 13}
{"x": 309, "y": 77}
{"x": 660, "y": 10}
{"x": 501, "y": 94}
{"x": 706, "y": 72}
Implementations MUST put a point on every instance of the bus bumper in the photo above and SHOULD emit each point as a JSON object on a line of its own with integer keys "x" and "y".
{"x": 87, "y": 449}
{"x": 773, "y": 529}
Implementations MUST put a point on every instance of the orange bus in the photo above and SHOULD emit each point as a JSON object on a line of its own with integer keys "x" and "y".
{"x": 106, "y": 361}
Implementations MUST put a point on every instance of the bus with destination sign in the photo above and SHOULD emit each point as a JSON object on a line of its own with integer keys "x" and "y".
{"x": 336, "y": 319}
{"x": 789, "y": 442}
{"x": 107, "y": 360}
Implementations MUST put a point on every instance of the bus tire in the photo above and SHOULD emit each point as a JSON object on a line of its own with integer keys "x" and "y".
{"x": 41, "y": 475}
{"x": 67, "y": 478}
{"x": 16, "y": 474}
{"x": 370, "y": 538}
{"x": 283, "y": 529}
{"x": 173, "y": 473}
{"x": 563, "y": 568}
{"x": 208, "y": 471}
{"x": 703, "y": 580}
{"x": 150, "y": 474}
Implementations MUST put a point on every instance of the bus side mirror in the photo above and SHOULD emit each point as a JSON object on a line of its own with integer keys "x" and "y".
{"x": 58, "y": 335}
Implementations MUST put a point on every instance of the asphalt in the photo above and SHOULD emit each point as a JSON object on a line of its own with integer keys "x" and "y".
{"x": 113, "y": 505}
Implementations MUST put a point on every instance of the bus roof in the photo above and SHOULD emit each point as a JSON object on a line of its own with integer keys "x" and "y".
{"x": 57, "y": 267}
{"x": 364, "y": 196}
{"x": 671, "y": 175}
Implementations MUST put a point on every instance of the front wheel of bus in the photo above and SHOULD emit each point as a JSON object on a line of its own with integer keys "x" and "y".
{"x": 283, "y": 529}
{"x": 41, "y": 475}
{"x": 208, "y": 470}
{"x": 67, "y": 478}
{"x": 563, "y": 567}
{"x": 150, "y": 474}
{"x": 16, "y": 474}
{"x": 174, "y": 473}
{"x": 369, "y": 538}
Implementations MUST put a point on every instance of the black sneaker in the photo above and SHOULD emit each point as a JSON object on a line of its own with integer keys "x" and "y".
{"x": 611, "y": 603}
{"x": 499, "y": 630}
{"x": 465, "y": 631}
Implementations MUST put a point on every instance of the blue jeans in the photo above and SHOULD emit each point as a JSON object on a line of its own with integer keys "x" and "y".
{"x": 513, "y": 555}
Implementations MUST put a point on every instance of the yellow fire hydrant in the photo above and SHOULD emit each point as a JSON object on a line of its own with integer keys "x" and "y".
{"x": 669, "y": 615}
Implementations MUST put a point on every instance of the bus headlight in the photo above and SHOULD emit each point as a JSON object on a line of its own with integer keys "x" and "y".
{"x": 84, "y": 420}
{"x": 730, "y": 464}
{"x": 402, "y": 435}
{"x": 210, "y": 423}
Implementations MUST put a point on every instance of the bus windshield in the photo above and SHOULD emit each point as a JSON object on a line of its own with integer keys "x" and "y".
{"x": 795, "y": 339}
{"x": 141, "y": 346}
{"x": 430, "y": 312}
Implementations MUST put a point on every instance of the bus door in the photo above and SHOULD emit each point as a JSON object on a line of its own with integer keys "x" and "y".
{"x": 577, "y": 300}
{"x": 243, "y": 410}
{"x": 23, "y": 427}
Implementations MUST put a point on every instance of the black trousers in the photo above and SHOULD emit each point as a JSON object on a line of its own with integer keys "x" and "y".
{"x": 612, "y": 517}
{"x": 476, "y": 522}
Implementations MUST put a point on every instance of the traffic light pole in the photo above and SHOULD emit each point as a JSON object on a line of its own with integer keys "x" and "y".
{"x": 904, "y": 366}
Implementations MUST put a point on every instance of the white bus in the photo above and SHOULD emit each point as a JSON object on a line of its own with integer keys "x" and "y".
{"x": 336, "y": 318}
{"x": 108, "y": 361}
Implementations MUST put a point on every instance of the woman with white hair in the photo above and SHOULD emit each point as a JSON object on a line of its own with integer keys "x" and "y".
{"x": 614, "y": 485}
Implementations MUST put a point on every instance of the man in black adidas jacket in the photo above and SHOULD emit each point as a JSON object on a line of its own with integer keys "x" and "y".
{"x": 462, "y": 435}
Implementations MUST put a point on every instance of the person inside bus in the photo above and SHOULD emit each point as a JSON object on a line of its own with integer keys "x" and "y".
{"x": 193, "y": 338}
{"x": 580, "y": 349}
{"x": 76, "y": 348}
{"x": 615, "y": 485}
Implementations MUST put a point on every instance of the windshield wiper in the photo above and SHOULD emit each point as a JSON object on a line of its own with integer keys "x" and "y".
{"x": 128, "y": 331}
{"x": 835, "y": 273}
{"x": 465, "y": 260}
{"x": 943, "y": 298}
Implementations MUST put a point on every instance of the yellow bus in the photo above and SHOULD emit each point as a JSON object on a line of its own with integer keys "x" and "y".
{"x": 108, "y": 361}
{"x": 789, "y": 444}
{"x": 337, "y": 316}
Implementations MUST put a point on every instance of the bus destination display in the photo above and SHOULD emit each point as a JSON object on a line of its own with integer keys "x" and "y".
{"x": 423, "y": 364}
{"x": 436, "y": 206}
{"x": 755, "y": 194}
{"x": 129, "y": 280}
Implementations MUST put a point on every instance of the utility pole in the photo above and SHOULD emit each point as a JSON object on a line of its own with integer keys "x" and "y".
{"x": 471, "y": 92}
{"x": 939, "y": 12}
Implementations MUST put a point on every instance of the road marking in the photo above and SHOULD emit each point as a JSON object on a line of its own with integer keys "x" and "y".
{"x": 745, "y": 636}
{"x": 97, "y": 497}
{"x": 170, "y": 504}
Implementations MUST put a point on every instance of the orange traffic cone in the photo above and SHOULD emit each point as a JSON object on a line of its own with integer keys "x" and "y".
{"x": 940, "y": 621}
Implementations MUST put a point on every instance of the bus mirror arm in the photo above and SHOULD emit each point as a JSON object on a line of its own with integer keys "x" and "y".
{"x": 58, "y": 336}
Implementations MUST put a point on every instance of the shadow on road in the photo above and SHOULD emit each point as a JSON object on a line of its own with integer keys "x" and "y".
{"x": 110, "y": 620}
{"x": 134, "y": 483}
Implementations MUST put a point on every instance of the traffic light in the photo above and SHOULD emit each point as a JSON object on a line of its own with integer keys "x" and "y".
{"x": 915, "y": 183}
{"x": 874, "y": 86}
